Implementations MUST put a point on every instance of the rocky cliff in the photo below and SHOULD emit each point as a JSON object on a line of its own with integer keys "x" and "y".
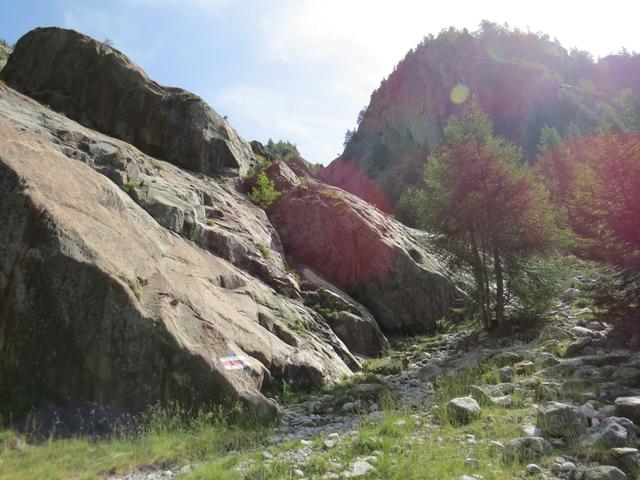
{"x": 524, "y": 81}
{"x": 383, "y": 264}
{"x": 101, "y": 88}
{"x": 134, "y": 270}
{"x": 100, "y": 302}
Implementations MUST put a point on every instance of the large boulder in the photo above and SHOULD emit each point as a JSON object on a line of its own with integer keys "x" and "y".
{"x": 610, "y": 433}
{"x": 95, "y": 84}
{"x": 386, "y": 266}
{"x": 626, "y": 459}
{"x": 628, "y": 407}
{"x": 100, "y": 302}
{"x": 601, "y": 472}
{"x": 562, "y": 420}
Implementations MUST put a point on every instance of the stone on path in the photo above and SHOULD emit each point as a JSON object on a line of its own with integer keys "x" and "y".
{"x": 463, "y": 409}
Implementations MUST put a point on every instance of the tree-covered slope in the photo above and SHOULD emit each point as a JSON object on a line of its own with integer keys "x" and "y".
{"x": 524, "y": 81}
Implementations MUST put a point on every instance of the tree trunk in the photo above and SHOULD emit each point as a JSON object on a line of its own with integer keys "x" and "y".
{"x": 497, "y": 265}
{"x": 479, "y": 276}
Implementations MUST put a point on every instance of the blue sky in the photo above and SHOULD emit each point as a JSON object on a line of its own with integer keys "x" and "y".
{"x": 302, "y": 69}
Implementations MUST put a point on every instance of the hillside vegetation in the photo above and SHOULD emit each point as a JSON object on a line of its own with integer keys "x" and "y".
{"x": 528, "y": 84}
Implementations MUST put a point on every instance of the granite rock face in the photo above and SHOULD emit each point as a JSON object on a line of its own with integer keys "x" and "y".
{"x": 384, "y": 265}
{"x": 102, "y": 89}
{"x": 4, "y": 55}
{"x": 100, "y": 302}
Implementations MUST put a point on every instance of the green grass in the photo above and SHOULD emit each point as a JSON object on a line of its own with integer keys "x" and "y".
{"x": 264, "y": 250}
{"x": 408, "y": 450}
{"x": 167, "y": 438}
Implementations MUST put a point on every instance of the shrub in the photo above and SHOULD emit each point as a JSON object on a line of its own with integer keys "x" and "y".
{"x": 264, "y": 192}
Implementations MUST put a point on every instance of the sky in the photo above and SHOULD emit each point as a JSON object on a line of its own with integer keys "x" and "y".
{"x": 301, "y": 70}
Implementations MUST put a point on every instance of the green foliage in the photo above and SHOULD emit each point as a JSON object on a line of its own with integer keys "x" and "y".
{"x": 535, "y": 285}
{"x": 264, "y": 192}
{"x": 627, "y": 108}
{"x": 347, "y": 136}
{"x": 264, "y": 250}
{"x": 135, "y": 289}
{"x": 282, "y": 150}
{"x": 549, "y": 138}
{"x": 485, "y": 208}
{"x": 385, "y": 366}
{"x": 605, "y": 200}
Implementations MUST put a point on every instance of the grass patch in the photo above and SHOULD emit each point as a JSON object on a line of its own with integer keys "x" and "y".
{"x": 264, "y": 251}
{"x": 166, "y": 437}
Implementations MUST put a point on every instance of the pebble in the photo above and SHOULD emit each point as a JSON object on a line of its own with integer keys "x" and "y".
{"x": 329, "y": 444}
{"x": 533, "y": 469}
{"x": 359, "y": 468}
{"x": 472, "y": 462}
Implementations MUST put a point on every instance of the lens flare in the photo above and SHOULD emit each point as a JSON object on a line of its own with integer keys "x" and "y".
{"x": 495, "y": 54}
{"x": 459, "y": 93}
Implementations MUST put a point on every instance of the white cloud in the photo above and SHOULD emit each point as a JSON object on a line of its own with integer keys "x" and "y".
{"x": 280, "y": 115}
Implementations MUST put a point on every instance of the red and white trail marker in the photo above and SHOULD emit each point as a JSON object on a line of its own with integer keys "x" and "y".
{"x": 233, "y": 362}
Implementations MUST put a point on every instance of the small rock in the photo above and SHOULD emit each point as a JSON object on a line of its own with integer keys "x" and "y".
{"x": 525, "y": 449}
{"x": 429, "y": 372}
{"x": 524, "y": 367}
{"x": 504, "y": 401}
{"x": 588, "y": 410}
{"x": 348, "y": 407}
{"x": 472, "y": 462}
{"x": 329, "y": 444}
{"x": 359, "y": 468}
{"x": 533, "y": 469}
{"x": 581, "y": 313}
{"x": 577, "y": 347}
{"x": 505, "y": 374}
{"x": 298, "y": 473}
{"x": 463, "y": 409}
{"x": 531, "y": 431}
{"x": 571, "y": 293}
